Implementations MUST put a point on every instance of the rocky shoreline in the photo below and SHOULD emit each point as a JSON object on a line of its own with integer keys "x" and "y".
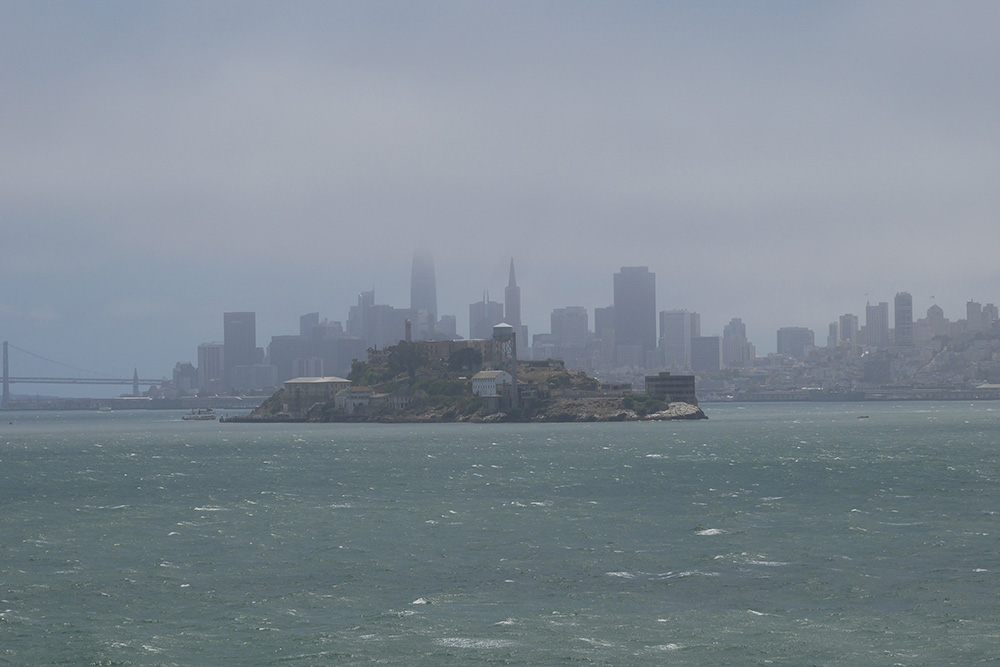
{"x": 559, "y": 410}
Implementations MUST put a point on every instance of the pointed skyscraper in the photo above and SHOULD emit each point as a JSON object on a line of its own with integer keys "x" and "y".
{"x": 512, "y": 308}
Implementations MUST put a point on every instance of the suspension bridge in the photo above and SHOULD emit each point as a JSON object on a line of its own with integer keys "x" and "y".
{"x": 90, "y": 377}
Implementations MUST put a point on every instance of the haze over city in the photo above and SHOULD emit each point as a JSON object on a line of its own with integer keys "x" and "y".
{"x": 783, "y": 163}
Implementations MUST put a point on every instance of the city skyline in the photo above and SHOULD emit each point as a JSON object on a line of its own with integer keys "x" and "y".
{"x": 782, "y": 163}
{"x": 239, "y": 330}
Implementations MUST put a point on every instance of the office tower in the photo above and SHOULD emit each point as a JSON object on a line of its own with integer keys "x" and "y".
{"x": 677, "y": 328}
{"x": 307, "y": 322}
{"x": 877, "y": 324}
{"x": 570, "y": 326}
{"x": 849, "y": 328}
{"x": 904, "y": 318}
{"x": 974, "y": 316}
{"x": 635, "y": 315}
{"x": 423, "y": 294}
{"x": 832, "y": 338}
{"x": 737, "y": 351}
{"x": 359, "y": 315}
{"x": 512, "y": 309}
{"x": 706, "y": 353}
{"x": 604, "y": 322}
{"x": 483, "y": 316}
{"x": 210, "y": 367}
{"x": 795, "y": 341}
{"x": 239, "y": 332}
{"x": 990, "y": 315}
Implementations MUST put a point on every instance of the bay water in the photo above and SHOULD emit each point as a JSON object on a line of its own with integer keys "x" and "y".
{"x": 771, "y": 534}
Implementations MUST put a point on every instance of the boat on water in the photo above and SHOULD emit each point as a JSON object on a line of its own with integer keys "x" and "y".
{"x": 200, "y": 414}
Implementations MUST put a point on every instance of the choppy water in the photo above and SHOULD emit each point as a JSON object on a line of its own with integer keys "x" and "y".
{"x": 770, "y": 534}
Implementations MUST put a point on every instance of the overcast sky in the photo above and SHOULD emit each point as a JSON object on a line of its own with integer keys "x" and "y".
{"x": 782, "y": 162}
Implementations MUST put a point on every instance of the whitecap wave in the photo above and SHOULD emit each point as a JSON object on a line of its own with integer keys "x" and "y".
{"x": 468, "y": 642}
{"x": 711, "y": 531}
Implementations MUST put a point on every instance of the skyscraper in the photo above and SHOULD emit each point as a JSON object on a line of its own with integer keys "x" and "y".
{"x": 795, "y": 341}
{"x": 635, "y": 315}
{"x": 570, "y": 326}
{"x": 849, "y": 328}
{"x": 423, "y": 294}
{"x": 737, "y": 351}
{"x": 483, "y": 316}
{"x": 677, "y": 328}
{"x": 239, "y": 343}
{"x": 904, "y": 318}
{"x": 512, "y": 308}
{"x": 877, "y": 324}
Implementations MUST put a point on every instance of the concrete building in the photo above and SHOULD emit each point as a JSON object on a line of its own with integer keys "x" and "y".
{"x": 483, "y": 316}
{"x": 848, "y": 328}
{"x": 239, "y": 330}
{"x": 302, "y": 393}
{"x": 677, "y": 328}
{"x": 795, "y": 341}
{"x": 423, "y": 296}
{"x": 489, "y": 383}
{"x": 672, "y": 388}
{"x": 877, "y": 325}
{"x": 903, "y": 310}
{"x": 570, "y": 326}
{"x": 737, "y": 351}
{"x": 211, "y": 367}
{"x": 635, "y": 315}
{"x": 706, "y": 354}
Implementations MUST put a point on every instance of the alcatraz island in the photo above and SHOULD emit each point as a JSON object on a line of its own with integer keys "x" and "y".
{"x": 472, "y": 381}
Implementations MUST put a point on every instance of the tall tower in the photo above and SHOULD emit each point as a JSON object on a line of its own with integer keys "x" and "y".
{"x": 877, "y": 324}
{"x": 635, "y": 315}
{"x": 423, "y": 291}
{"x": 512, "y": 306}
{"x": 677, "y": 329}
{"x": 904, "y": 318}
{"x": 239, "y": 343}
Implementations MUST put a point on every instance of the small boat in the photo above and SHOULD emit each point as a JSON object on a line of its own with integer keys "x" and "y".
{"x": 200, "y": 414}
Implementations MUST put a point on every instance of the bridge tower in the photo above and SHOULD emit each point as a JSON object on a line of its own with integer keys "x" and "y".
{"x": 5, "y": 401}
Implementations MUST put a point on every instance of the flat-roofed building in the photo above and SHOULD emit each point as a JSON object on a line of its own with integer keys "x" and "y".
{"x": 672, "y": 388}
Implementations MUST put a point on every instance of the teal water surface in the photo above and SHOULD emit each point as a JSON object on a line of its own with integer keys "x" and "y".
{"x": 769, "y": 534}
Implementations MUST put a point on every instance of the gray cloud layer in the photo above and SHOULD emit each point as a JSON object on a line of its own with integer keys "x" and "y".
{"x": 779, "y": 162}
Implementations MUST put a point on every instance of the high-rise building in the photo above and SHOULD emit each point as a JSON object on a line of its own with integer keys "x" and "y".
{"x": 210, "y": 367}
{"x": 635, "y": 315}
{"x": 832, "y": 337}
{"x": 877, "y": 324}
{"x": 677, "y": 328}
{"x": 239, "y": 331}
{"x": 849, "y": 328}
{"x": 423, "y": 295}
{"x": 974, "y": 316}
{"x": 512, "y": 309}
{"x": 483, "y": 316}
{"x": 737, "y": 351}
{"x": 706, "y": 353}
{"x": 570, "y": 326}
{"x": 307, "y": 322}
{"x": 795, "y": 341}
{"x": 903, "y": 310}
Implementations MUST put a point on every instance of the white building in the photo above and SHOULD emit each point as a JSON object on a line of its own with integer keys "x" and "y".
{"x": 488, "y": 383}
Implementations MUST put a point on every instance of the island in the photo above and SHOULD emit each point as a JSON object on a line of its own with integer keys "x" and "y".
{"x": 470, "y": 381}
